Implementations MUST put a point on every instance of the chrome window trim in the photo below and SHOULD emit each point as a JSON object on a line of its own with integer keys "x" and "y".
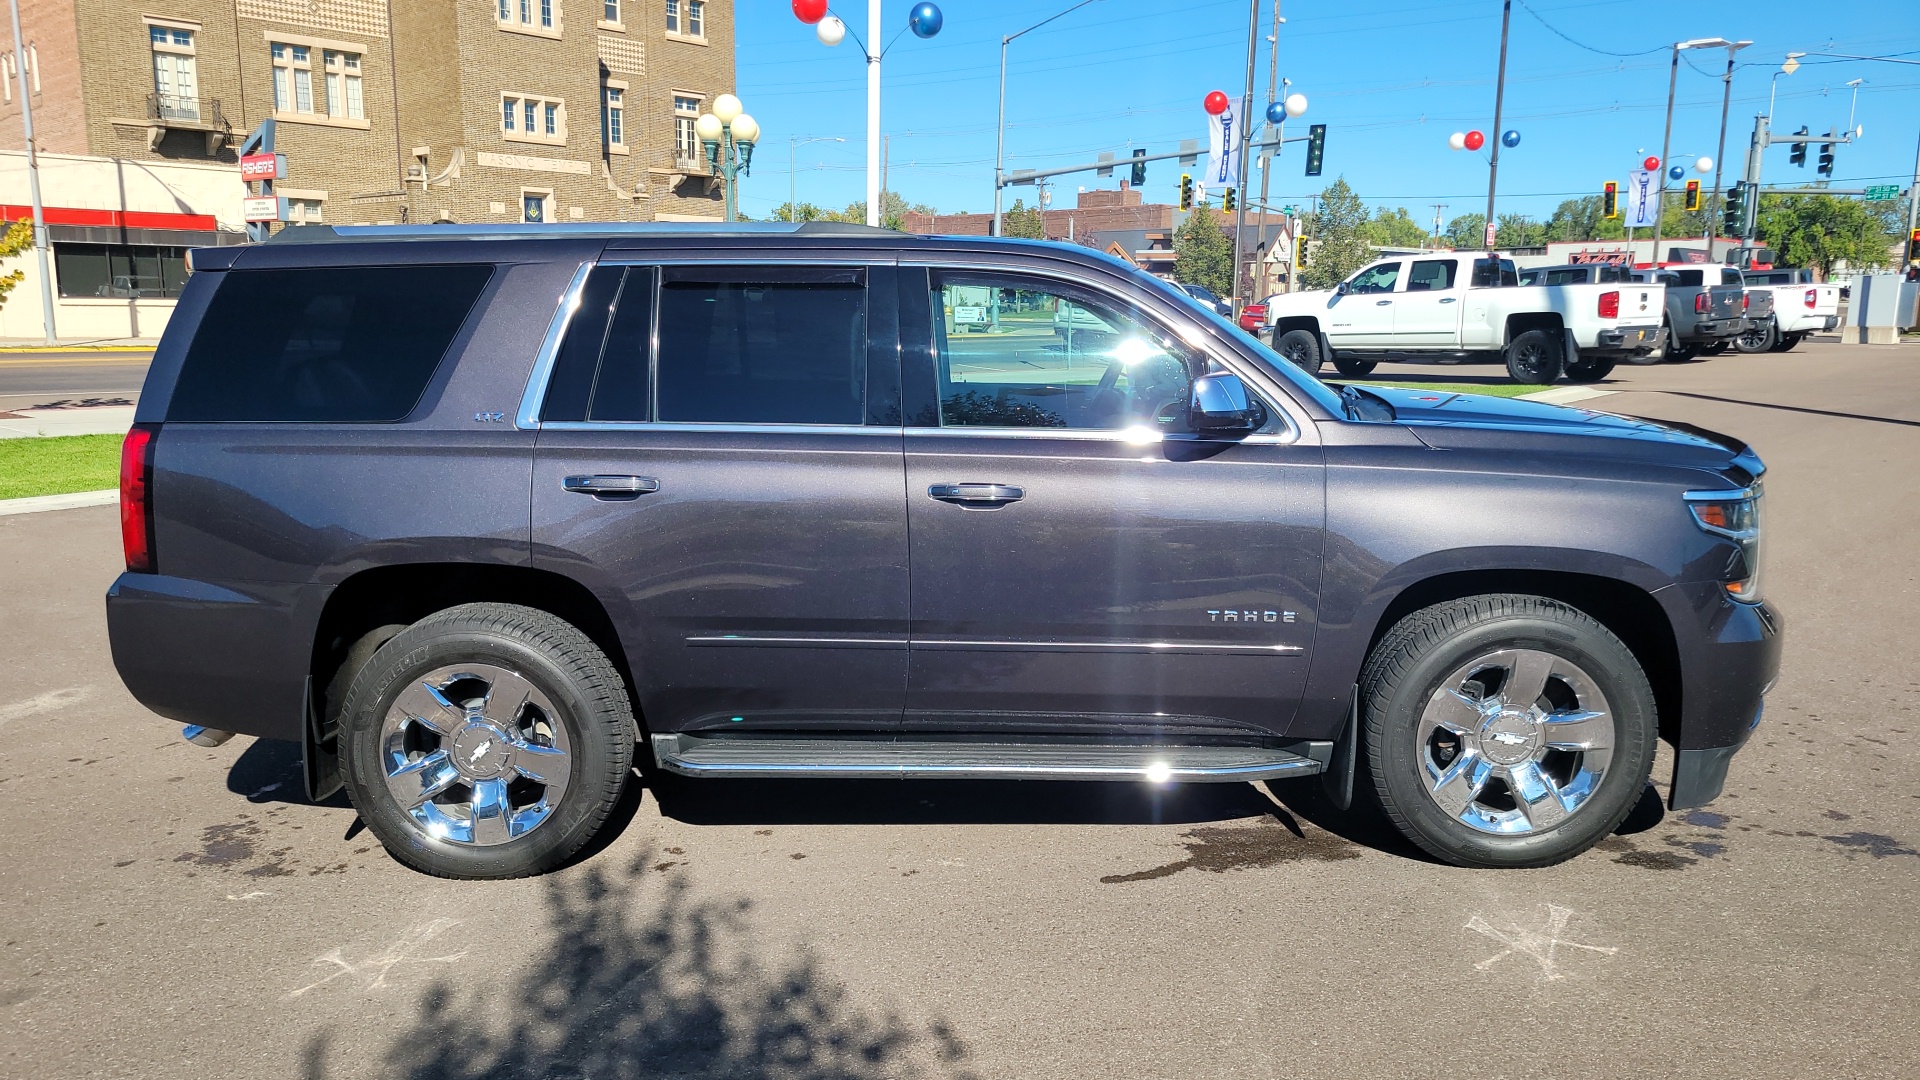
{"x": 625, "y": 258}
{"x": 718, "y": 428}
{"x": 1183, "y": 331}
{"x": 1724, "y": 495}
{"x": 1157, "y": 647}
{"x": 528, "y": 417}
{"x": 1118, "y": 435}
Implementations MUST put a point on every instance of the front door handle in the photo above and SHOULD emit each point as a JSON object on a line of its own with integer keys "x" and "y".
{"x": 1447, "y": 299}
{"x": 977, "y": 496}
{"x": 611, "y": 487}
{"x": 1381, "y": 303}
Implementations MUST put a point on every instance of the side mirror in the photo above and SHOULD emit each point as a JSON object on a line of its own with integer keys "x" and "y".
{"x": 1220, "y": 405}
{"x": 1340, "y": 289}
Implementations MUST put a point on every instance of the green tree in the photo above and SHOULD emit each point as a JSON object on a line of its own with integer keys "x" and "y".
{"x": 1468, "y": 232}
{"x": 1519, "y": 230}
{"x": 1579, "y": 219}
{"x": 15, "y": 241}
{"x": 805, "y": 211}
{"x": 893, "y": 211}
{"x": 1393, "y": 228}
{"x": 1202, "y": 254}
{"x": 1023, "y": 221}
{"x": 1820, "y": 230}
{"x": 1339, "y": 242}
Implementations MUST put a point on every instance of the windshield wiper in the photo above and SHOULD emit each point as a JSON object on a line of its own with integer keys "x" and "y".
{"x": 1362, "y": 405}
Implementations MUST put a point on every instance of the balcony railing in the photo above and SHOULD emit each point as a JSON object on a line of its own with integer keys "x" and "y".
{"x": 178, "y": 112}
{"x": 172, "y": 107}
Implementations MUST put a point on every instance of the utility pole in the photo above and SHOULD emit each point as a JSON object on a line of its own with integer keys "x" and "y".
{"x": 886, "y": 159}
{"x": 1244, "y": 140}
{"x": 1913, "y": 215}
{"x": 1666, "y": 142}
{"x": 1720, "y": 154}
{"x": 33, "y": 178}
{"x": 873, "y": 112}
{"x": 1438, "y": 210}
{"x": 1266, "y": 159}
{"x": 1499, "y": 99}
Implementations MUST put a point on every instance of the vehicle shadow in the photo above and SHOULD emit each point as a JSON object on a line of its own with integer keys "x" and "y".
{"x": 950, "y": 802}
{"x": 269, "y": 771}
{"x": 641, "y": 979}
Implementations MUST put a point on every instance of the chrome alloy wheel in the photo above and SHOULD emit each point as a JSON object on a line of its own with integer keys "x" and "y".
{"x": 1515, "y": 741}
{"x": 475, "y": 754}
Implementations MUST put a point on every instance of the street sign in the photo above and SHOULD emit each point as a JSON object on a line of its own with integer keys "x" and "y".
{"x": 1882, "y": 192}
{"x": 263, "y": 167}
{"x": 1490, "y": 232}
{"x": 264, "y": 208}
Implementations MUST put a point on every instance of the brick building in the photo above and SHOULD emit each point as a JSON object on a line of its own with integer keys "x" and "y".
{"x": 414, "y": 110}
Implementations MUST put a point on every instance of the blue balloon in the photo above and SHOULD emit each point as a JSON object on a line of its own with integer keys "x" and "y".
{"x": 1276, "y": 112}
{"x": 925, "y": 20}
{"x": 1677, "y": 171}
{"x": 1511, "y": 139}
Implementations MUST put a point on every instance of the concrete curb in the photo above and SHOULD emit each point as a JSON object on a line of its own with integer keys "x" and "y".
{"x": 73, "y": 501}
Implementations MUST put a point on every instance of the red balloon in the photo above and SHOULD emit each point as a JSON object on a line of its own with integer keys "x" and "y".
{"x": 1651, "y": 163}
{"x": 809, "y": 11}
{"x": 1475, "y": 140}
{"x": 1216, "y": 101}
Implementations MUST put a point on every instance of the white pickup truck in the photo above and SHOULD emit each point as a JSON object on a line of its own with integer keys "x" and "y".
{"x": 1468, "y": 306}
{"x": 1801, "y": 306}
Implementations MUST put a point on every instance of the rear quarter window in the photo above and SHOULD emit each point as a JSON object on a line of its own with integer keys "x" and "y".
{"x": 323, "y": 344}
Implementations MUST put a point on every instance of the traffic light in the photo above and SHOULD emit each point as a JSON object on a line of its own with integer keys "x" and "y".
{"x": 1610, "y": 199}
{"x": 1913, "y": 247}
{"x": 1316, "y": 148}
{"x": 1186, "y": 192}
{"x": 1139, "y": 169}
{"x": 1733, "y": 218}
{"x": 1826, "y": 159}
{"x": 1798, "y": 155}
{"x": 1226, "y": 201}
{"x": 1693, "y": 195}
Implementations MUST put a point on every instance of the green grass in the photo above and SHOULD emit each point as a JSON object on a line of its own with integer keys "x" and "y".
{"x": 58, "y": 466}
{"x": 1489, "y": 389}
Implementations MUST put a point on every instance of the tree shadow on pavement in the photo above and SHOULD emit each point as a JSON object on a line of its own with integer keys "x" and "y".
{"x": 640, "y": 979}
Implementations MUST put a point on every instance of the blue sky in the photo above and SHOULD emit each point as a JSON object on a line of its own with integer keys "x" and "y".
{"x": 1390, "y": 78}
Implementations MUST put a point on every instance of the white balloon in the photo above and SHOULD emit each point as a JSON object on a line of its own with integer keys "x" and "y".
{"x": 726, "y": 107}
{"x": 1705, "y": 164}
{"x": 830, "y": 30}
{"x": 1296, "y": 104}
{"x": 1457, "y": 141}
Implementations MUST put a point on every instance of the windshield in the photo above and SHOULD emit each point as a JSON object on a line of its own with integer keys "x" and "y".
{"x": 1277, "y": 365}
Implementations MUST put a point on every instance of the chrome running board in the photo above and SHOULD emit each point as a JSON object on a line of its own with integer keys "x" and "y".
{"x": 988, "y": 759}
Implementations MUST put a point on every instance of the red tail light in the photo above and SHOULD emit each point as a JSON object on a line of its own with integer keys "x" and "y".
{"x": 1813, "y": 297}
{"x": 136, "y": 497}
{"x": 1746, "y": 302}
{"x": 1700, "y": 303}
{"x": 1609, "y": 305}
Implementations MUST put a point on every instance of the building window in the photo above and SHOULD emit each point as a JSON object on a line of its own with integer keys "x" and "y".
{"x": 305, "y": 211}
{"x": 119, "y": 271}
{"x": 176, "y": 90}
{"x": 696, "y": 18}
{"x": 546, "y": 13}
{"x": 530, "y": 16}
{"x": 338, "y": 94}
{"x": 343, "y": 85}
{"x": 615, "y": 117}
{"x": 686, "y": 144}
{"x": 533, "y": 119}
{"x": 673, "y": 16}
{"x": 611, "y": 10}
{"x": 533, "y": 206}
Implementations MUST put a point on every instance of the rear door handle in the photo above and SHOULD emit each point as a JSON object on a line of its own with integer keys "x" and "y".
{"x": 1447, "y": 299}
{"x": 1381, "y": 303}
{"x": 612, "y": 487}
{"x": 977, "y": 496}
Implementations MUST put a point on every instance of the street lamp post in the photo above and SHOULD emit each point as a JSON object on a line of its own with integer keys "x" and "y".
{"x": 1666, "y": 141}
{"x": 1791, "y": 65}
{"x": 925, "y": 21}
{"x": 728, "y": 134}
{"x": 33, "y": 179}
{"x": 1000, "y": 143}
{"x": 1720, "y": 155}
{"x": 1499, "y": 98}
{"x": 794, "y": 143}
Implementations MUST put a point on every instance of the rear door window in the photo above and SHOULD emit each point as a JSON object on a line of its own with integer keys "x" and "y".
{"x": 1433, "y": 275}
{"x": 762, "y": 345}
{"x": 324, "y": 344}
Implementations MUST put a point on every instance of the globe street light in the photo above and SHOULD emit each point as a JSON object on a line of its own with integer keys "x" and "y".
{"x": 924, "y": 20}
{"x": 1000, "y": 144}
{"x": 728, "y": 134}
{"x": 1666, "y": 141}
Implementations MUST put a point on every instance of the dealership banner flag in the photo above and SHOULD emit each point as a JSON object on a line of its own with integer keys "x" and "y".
{"x": 1643, "y": 198}
{"x": 1223, "y": 161}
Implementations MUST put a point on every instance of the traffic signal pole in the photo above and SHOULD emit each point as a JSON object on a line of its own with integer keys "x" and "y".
{"x": 1243, "y": 139}
{"x": 1913, "y": 214}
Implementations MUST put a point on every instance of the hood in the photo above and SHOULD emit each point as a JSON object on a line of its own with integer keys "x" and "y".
{"x": 1449, "y": 421}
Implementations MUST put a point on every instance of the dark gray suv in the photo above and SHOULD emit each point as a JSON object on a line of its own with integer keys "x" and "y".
{"x": 480, "y": 516}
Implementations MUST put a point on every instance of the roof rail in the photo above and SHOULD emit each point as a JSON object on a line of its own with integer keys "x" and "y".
{"x": 321, "y": 234}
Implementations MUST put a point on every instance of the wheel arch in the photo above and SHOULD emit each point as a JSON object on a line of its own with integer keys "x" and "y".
{"x": 1520, "y": 323}
{"x": 1630, "y": 612}
{"x": 1289, "y": 323}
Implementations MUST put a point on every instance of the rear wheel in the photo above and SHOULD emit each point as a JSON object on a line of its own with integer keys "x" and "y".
{"x": 486, "y": 741}
{"x": 1654, "y": 356}
{"x": 1675, "y": 352}
{"x": 1534, "y": 357}
{"x": 1353, "y": 369}
{"x": 1301, "y": 348}
{"x": 1506, "y": 731}
{"x": 1787, "y": 342}
{"x": 1758, "y": 339}
{"x": 1713, "y": 348}
{"x": 1586, "y": 369}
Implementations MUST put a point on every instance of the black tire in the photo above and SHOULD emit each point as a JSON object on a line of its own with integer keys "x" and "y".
{"x": 1535, "y": 357}
{"x": 588, "y": 703}
{"x": 1412, "y": 666}
{"x": 1353, "y": 369}
{"x": 1787, "y": 342}
{"x": 1587, "y": 369}
{"x": 1758, "y": 339}
{"x": 1675, "y": 352}
{"x": 1714, "y": 348}
{"x": 1654, "y": 356}
{"x": 1301, "y": 348}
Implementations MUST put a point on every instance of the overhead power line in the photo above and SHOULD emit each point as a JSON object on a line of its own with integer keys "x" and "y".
{"x": 1581, "y": 44}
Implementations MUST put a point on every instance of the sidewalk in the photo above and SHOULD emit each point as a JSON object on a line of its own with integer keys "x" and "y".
{"x": 86, "y": 420}
{"x": 12, "y": 345}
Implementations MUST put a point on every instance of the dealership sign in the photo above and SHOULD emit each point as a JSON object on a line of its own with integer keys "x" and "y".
{"x": 264, "y": 208}
{"x": 263, "y": 167}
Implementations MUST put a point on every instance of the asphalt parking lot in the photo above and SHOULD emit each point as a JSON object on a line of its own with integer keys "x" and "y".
{"x": 178, "y": 911}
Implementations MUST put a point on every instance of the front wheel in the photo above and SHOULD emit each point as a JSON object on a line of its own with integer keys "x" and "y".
{"x": 1301, "y": 348}
{"x": 1535, "y": 357}
{"x": 486, "y": 741}
{"x": 1354, "y": 369}
{"x": 1787, "y": 342}
{"x": 1587, "y": 369}
{"x": 1758, "y": 339}
{"x": 1506, "y": 730}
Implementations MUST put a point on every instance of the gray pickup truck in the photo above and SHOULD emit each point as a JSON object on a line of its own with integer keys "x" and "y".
{"x": 484, "y": 517}
{"x": 1706, "y": 308}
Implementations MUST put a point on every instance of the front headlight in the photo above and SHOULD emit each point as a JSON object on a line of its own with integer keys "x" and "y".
{"x": 1734, "y": 514}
